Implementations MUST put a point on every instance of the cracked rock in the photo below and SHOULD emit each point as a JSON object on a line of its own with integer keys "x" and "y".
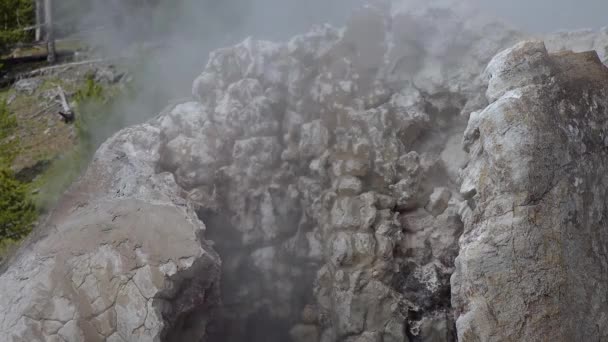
{"x": 530, "y": 246}
{"x": 100, "y": 273}
{"x": 328, "y": 171}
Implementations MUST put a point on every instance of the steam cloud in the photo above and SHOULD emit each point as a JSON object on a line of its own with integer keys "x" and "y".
{"x": 185, "y": 31}
{"x": 177, "y": 37}
{"x": 548, "y": 15}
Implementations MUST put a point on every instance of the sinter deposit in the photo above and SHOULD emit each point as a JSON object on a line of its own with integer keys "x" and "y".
{"x": 321, "y": 190}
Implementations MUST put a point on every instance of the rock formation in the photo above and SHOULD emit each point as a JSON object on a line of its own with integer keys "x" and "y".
{"x": 325, "y": 172}
{"x": 532, "y": 263}
{"x": 120, "y": 259}
{"x": 332, "y": 189}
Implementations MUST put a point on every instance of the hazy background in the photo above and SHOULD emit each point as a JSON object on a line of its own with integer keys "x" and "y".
{"x": 169, "y": 40}
{"x": 188, "y": 29}
{"x": 549, "y": 15}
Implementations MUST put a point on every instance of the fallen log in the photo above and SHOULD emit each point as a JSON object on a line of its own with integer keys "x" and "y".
{"x": 33, "y": 59}
{"x": 46, "y": 70}
{"x": 67, "y": 114}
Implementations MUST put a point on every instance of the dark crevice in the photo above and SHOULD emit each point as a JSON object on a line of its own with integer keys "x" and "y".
{"x": 188, "y": 308}
{"x": 249, "y": 316}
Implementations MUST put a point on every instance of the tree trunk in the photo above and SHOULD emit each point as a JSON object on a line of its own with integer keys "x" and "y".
{"x": 39, "y": 20}
{"x": 50, "y": 34}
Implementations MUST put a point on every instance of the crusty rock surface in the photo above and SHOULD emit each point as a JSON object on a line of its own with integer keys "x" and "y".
{"x": 326, "y": 171}
{"x": 579, "y": 41}
{"x": 532, "y": 262}
{"x": 331, "y": 190}
{"x": 120, "y": 258}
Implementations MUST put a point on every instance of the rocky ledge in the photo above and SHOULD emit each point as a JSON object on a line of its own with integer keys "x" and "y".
{"x": 326, "y": 174}
{"x": 532, "y": 263}
{"x": 120, "y": 259}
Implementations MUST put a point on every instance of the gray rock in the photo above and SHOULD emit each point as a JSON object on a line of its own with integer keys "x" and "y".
{"x": 508, "y": 71}
{"x": 108, "y": 74}
{"x": 579, "y": 41}
{"x": 366, "y": 337}
{"x": 437, "y": 329}
{"x": 28, "y": 85}
{"x": 348, "y": 185}
{"x": 314, "y": 138}
{"x": 304, "y": 333}
{"x": 530, "y": 247}
{"x": 438, "y": 202}
{"x": 11, "y": 99}
{"x": 454, "y": 158}
{"x": 311, "y": 163}
{"x": 105, "y": 263}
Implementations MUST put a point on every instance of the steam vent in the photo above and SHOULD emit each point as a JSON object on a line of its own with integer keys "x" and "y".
{"x": 420, "y": 175}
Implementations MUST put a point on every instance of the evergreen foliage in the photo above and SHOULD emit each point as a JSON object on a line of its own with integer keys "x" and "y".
{"x": 17, "y": 211}
{"x": 14, "y": 16}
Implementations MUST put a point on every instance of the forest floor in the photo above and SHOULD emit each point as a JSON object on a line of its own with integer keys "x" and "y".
{"x": 50, "y": 152}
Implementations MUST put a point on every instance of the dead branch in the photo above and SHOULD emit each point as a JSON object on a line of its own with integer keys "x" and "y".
{"x": 67, "y": 114}
{"x": 44, "y": 71}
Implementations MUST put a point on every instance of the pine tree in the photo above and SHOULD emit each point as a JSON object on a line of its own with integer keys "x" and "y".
{"x": 17, "y": 211}
{"x": 8, "y": 144}
{"x": 15, "y": 15}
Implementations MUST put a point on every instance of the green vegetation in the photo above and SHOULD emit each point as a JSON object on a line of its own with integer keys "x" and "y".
{"x": 63, "y": 171}
{"x": 96, "y": 120}
{"x": 49, "y": 154}
{"x": 41, "y": 136}
{"x": 90, "y": 91}
{"x": 40, "y": 157}
{"x": 14, "y": 16}
{"x": 90, "y": 100}
{"x": 17, "y": 210}
{"x": 97, "y": 115}
{"x": 9, "y": 146}
{"x": 21, "y": 203}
